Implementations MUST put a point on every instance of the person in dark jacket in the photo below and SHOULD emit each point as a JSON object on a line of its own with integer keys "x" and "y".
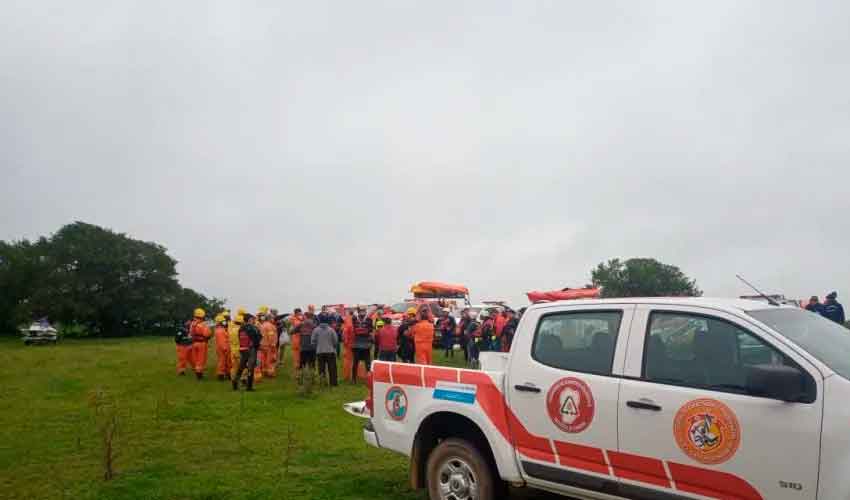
{"x": 509, "y": 330}
{"x": 308, "y": 350}
{"x": 461, "y": 333}
{"x": 249, "y": 344}
{"x": 362, "y": 345}
{"x": 489, "y": 342}
{"x": 832, "y": 310}
{"x": 406, "y": 348}
{"x": 472, "y": 334}
{"x": 336, "y": 324}
{"x": 447, "y": 325}
{"x": 814, "y": 305}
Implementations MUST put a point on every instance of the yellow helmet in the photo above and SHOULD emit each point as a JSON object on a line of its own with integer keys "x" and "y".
{"x": 241, "y": 311}
{"x": 200, "y": 313}
{"x": 263, "y": 309}
{"x": 411, "y": 311}
{"x": 225, "y": 313}
{"x": 239, "y": 319}
{"x": 221, "y": 318}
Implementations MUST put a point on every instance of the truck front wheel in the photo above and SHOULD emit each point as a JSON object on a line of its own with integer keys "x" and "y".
{"x": 456, "y": 470}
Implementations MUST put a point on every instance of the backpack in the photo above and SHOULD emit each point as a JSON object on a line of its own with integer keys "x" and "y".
{"x": 182, "y": 336}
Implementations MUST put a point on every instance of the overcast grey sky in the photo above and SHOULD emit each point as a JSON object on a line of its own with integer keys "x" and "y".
{"x": 296, "y": 152}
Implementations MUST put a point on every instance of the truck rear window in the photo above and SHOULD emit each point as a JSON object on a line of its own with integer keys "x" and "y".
{"x": 578, "y": 341}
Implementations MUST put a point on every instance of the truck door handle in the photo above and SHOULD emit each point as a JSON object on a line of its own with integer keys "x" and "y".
{"x": 643, "y": 405}
{"x": 527, "y": 388}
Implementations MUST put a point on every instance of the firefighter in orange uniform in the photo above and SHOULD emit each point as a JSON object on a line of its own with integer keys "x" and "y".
{"x": 268, "y": 346}
{"x": 200, "y": 333}
{"x": 222, "y": 346}
{"x": 295, "y": 323}
{"x": 423, "y": 337}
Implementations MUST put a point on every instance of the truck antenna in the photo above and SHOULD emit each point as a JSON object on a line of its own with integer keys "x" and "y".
{"x": 770, "y": 300}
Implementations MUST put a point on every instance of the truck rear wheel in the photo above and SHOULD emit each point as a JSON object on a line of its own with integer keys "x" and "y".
{"x": 456, "y": 470}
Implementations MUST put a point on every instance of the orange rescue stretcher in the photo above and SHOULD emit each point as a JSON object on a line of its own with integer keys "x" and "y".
{"x": 437, "y": 290}
{"x": 564, "y": 294}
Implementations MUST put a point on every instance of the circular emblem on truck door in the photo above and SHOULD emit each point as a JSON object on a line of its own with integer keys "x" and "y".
{"x": 570, "y": 405}
{"x": 707, "y": 431}
{"x": 396, "y": 403}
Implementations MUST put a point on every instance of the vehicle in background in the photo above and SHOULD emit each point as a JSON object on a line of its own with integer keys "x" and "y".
{"x": 651, "y": 398}
{"x": 40, "y": 332}
{"x": 490, "y": 307}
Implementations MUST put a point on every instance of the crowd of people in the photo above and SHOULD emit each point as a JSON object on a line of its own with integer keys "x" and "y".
{"x": 484, "y": 331}
{"x": 249, "y": 347}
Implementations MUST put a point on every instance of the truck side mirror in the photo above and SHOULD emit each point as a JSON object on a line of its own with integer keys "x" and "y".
{"x": 781, "y": 382}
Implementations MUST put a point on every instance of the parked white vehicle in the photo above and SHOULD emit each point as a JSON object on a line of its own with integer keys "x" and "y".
{"x": 40, "y": 332}
{"x": 631, "y": 398}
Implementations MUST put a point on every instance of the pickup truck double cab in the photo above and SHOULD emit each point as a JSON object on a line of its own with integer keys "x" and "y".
{"x": 631, "y": 398}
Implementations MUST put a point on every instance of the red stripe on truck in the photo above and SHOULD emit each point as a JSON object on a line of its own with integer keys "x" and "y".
{"x": 492, "y": 401}
{"x": 638, "y": 468}
{"x": 582, "y": 457}
{"x": 490, "y": 398}
{"x": 381, "y": 373}
{"x": 650, "y": 471}
{"x": 407, "y": 374}
{"x": 434, "y": 375}
{"x": 711, "y": 483}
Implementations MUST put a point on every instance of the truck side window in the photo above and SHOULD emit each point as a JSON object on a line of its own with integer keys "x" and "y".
{"x": 578, "y": 341}
{"x": 703, "y": 352}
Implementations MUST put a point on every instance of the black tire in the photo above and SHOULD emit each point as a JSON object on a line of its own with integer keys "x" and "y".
{"x": 466, "y": 454}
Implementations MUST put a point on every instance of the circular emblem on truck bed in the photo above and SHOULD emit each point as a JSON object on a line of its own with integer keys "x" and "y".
{"x": 570, "y": 405}
{"x": 707, "y": 431}
{"x": 396, "y": 403}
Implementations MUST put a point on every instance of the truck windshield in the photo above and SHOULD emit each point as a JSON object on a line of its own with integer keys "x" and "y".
{"x": 829, "y": 342}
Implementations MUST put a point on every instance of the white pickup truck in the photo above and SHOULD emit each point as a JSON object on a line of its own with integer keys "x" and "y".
{"x": 631, "y": 398}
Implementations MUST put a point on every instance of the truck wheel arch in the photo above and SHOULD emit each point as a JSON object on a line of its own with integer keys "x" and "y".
{"x": 433, "y": 430}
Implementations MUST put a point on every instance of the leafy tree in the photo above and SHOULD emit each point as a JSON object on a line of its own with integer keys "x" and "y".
{"x": 93, "y": 278}
{"x": 643, "y": 277}
{"x": 21, "y": 269}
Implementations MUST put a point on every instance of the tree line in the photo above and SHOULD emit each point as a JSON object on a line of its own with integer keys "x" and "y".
{"x": 94, "y": 281}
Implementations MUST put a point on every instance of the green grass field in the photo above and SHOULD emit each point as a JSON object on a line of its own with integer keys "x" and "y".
{"x": 177, "y": 438}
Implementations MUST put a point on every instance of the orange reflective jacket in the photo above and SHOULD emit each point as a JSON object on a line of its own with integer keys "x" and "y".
{"x": 222, "y": 343}
{"x": 199, "y": 331}
{"x": 422, "y": 332}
